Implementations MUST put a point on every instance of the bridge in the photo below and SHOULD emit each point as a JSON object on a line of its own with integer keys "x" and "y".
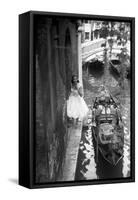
{"x": 95, "y": 49}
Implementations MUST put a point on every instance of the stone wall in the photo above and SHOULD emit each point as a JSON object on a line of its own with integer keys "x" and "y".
{"x": 56, "y": 62}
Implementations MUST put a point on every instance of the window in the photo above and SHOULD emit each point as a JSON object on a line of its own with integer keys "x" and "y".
{"x": 86, "y": 21}
{"x": 86, "y": 35}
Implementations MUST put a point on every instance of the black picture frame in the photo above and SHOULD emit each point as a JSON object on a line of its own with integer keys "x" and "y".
{"x": 27, "y": 100}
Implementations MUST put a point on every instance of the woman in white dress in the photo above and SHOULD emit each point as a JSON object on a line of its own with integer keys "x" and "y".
{"x": 76, "y": 106}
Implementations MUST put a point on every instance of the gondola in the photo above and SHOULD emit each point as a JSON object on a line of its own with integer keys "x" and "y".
{"x": 107, "y": 129}
{"x": 115, "y": 66}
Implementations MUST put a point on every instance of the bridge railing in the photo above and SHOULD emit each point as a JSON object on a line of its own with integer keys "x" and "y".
{"x": 91, "y": 47}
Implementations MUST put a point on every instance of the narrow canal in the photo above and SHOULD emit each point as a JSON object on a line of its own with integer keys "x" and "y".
{"x": 90, "y": 164}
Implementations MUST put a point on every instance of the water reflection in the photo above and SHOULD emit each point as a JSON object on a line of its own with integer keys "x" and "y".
{"x": 86, "y": 168}
{"x": 91, "y": 164}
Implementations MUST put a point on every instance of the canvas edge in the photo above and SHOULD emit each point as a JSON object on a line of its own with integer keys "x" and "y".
{"x": 32, "y": 184}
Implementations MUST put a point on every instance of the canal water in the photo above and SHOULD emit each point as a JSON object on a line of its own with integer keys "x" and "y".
{"x": 90, "y": 163}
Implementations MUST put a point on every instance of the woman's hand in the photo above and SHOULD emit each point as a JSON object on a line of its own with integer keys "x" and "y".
{"x": 75, "y": 87}
{"x": 80, "y": 91}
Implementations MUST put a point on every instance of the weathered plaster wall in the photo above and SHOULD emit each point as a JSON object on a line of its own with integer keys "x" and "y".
{"x": 55, "y": 65}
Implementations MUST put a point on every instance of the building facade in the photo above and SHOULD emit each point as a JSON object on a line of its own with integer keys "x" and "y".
{"x": 56, "y": 55}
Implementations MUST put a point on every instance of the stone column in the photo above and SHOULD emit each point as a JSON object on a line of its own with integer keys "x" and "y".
{"x": 80, "y": 28}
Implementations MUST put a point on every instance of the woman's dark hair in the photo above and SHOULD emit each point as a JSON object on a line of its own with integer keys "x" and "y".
{"x": 73, "y": 78}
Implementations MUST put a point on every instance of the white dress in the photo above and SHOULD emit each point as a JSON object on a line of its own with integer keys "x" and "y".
{"x": 76, "y": 106}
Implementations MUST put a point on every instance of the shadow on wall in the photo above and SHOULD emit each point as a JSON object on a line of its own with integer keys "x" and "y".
{"x": 13, "y": 180}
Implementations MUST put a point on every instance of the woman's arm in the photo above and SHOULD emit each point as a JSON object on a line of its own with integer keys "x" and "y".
{"x": 80, "y": 91}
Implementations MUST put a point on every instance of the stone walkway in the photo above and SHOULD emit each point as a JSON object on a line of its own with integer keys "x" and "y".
{"x": 72, "y": 152}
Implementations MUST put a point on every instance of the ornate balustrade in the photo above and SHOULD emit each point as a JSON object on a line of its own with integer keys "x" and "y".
{"x": 95, "y": 48}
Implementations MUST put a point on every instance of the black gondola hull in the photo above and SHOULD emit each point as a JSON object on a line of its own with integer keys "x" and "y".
{"x": 108, "y": 151}
{"x": 108, "y": 133}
